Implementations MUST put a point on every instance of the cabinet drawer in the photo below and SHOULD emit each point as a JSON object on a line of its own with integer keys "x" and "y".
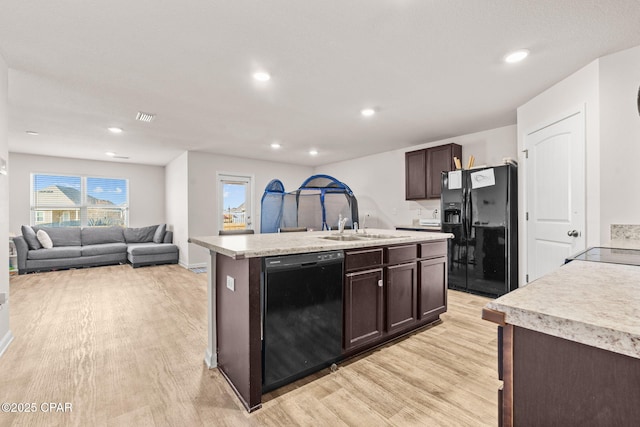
{"x": 433, "y": 249}
{"x": 400, "y": 254}
{"x": 357, "y": 260}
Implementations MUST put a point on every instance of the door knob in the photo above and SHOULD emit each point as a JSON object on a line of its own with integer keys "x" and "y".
{"x": 573, "y": 233}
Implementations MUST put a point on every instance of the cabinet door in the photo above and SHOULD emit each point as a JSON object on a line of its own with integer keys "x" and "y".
{"x": 402, "y": 298}
{"x": 433, "y": 287}
{"x": 440, "y": 159}
{"x": 416, "y": 175}
{"x": 363, "y": 320}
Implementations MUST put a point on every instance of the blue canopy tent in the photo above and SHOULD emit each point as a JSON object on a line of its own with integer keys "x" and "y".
{"x": 316, "y": 205}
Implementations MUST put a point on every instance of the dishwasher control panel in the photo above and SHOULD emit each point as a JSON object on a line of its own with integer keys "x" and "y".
{"x": 303, "y": 259}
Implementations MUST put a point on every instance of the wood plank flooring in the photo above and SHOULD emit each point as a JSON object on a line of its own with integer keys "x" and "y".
{"x": 125, "y": 347}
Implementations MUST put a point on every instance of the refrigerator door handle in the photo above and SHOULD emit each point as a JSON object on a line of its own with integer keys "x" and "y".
{"x": 463, "y": 211}
{"x": 469, "y": 213}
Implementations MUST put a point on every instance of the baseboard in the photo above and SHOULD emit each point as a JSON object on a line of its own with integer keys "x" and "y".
{"x": 6, "y": 340}
{"x": 210, "y": 360}
{"x": 198, "y": 265}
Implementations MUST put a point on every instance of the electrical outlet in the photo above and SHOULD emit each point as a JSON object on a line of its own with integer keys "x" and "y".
{"x": 3, "y": 298}
{"x": 231, "y": 283}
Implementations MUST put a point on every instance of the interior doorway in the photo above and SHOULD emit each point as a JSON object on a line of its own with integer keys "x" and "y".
{"x": 556, "y": 204}
{"x": 235, "y": 193}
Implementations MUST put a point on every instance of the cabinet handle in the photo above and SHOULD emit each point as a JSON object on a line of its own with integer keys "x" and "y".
{"x": 380, "y": 282}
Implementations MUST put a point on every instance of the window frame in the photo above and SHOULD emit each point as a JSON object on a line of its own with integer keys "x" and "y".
{"x": 83, "y": 207}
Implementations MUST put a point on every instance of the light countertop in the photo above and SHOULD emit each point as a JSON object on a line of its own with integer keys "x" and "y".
{"x": 260, "y": 245}
{"x": 593, "y": 303}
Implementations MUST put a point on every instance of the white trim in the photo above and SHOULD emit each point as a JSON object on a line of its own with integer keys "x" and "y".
{"x": 250, "y": 178}
{"x": 4, "y": 343}
{"x": 198, "y": 265}
{"x": 211, "y": 352}
{"x": 523, "y": 173}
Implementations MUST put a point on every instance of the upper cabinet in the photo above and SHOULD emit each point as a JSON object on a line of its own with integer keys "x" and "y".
{"x": 423, "y": 170}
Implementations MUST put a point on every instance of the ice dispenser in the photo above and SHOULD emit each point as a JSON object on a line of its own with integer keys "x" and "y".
{"x": 451, "y": 213}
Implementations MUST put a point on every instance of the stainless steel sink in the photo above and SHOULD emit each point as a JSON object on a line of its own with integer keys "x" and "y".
{"x": 379, "y": 236}
{"x": 342, "y": 237}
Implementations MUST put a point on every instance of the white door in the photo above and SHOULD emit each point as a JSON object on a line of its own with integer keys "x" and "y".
{"x": 234, "y": 202}
{"x": 555, "y": 173}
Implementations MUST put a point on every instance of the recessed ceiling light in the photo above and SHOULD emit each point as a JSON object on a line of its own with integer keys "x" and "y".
{"x": 32, "y": 132}
{"x": 262, "y": 76}
{"x": 115, "y": 130}
{"x": 110, "y": 153}
{"x": 368, "y": 112}
{"x": 275, "y": 145}
{"x": 313, "y": 152}
{"x": 516, "y": 56}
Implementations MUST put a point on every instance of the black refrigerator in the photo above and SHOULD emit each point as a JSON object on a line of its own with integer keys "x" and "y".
{"x": 480, "y": 208}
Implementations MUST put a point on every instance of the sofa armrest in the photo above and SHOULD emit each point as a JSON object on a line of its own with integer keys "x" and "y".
{"x": 23, "y": 249}
{"x": 168, "y": 237}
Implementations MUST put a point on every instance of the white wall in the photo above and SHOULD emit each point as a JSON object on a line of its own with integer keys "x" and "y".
{"x": 5, "y": 332}
{"x": 378, "y": 181}
{"x": 146, "y": 185}
{"x": 203, "y": 197}
{"x": 579, "y": 89}
{"x": 620, "y": 139}
{"x": 177, "y": 203}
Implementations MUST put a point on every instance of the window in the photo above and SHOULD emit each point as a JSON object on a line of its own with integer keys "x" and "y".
{"x": 234, "y": 202}
{"x": 63, "y": 201}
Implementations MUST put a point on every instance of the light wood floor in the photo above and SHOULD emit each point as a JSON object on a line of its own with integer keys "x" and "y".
{"x": 126, "y": 347}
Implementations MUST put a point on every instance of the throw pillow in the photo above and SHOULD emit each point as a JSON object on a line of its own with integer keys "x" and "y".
{"x": 30, "y": 237}
{"x": 158, "y": 237}
{"x": 44, "y": 239}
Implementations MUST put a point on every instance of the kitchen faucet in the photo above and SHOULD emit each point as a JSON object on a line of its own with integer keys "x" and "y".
{"x": 341, "y": 223}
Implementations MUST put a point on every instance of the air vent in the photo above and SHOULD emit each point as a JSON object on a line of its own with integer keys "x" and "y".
{"x": 120, "y": 157}
{"x": 145, "y": 117}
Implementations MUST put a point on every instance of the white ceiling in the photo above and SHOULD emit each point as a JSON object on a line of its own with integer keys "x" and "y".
{"x": 432, "y": 68}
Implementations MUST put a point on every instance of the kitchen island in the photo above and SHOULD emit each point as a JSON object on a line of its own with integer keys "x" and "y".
{"x": 569, "y": 347}
{"x": 394, "y": 282}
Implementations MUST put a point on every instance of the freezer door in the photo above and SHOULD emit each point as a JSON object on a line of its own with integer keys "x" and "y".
{"x": 451, "y": 204}
{"x": 487, "y": 207}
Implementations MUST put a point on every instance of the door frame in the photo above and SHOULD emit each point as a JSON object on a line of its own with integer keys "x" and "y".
{"x": 231, "y": 176}
{"x": 524, "y": 182}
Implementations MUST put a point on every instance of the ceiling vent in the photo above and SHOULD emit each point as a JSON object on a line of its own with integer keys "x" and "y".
{"x": 145, "y": 117}
{"x": 121, "y": 157}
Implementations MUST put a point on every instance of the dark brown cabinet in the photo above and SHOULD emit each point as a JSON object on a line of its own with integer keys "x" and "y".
{"x": 416, "y": 175}
{"x": 363, "y": 309}
{"x": 401, "y": 299}
{"x": 433, "y": 287}
{"x": 392, "y": 290}
{"x": 423, "y": 170}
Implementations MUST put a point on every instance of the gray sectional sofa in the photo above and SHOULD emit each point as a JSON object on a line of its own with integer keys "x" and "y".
{"x": 75, "y": 247}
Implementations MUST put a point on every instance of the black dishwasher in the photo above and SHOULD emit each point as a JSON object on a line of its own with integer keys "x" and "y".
{"x": 302, "y": 315}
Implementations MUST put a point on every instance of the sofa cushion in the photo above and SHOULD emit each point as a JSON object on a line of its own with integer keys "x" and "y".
{"x": 104, "y": 249}
{"x": 151, "y": 248}
{"x": 140, "y": 235}
{"x": 44, "y": 239}
{"x": 159, "y": 234}
{"x": 30, "y": 237}
{"x": 62, "y": 236}
{"x": 98, "y": 235}
{"x": 55, "y": 252}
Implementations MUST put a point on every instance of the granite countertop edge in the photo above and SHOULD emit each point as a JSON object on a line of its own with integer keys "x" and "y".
{"x": 576, "y": 303}
{"x": 261, "y": 245}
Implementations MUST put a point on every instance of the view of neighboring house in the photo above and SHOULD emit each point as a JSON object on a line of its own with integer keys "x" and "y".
{"x": 234, "y": 218}
{"x": 65, "y": 208}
